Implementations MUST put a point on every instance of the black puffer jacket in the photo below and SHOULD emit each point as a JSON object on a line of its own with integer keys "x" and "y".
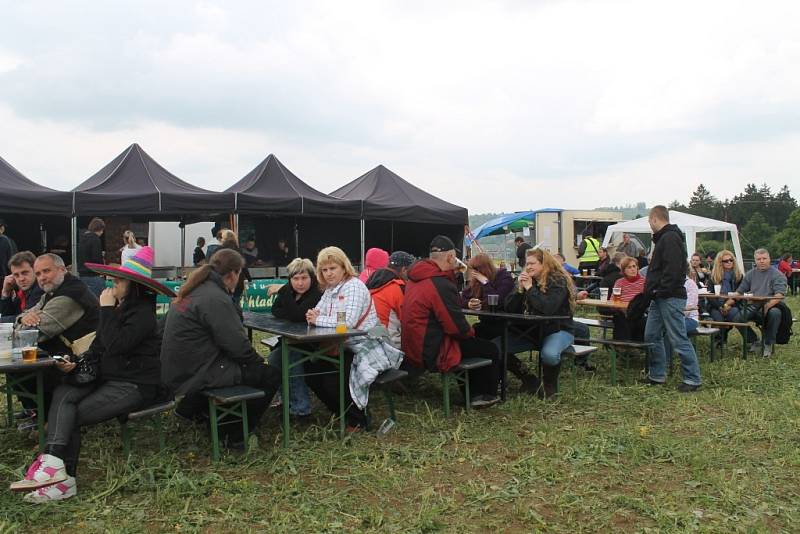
{"x": 667, "y": 270}
{"x": 128, "y": 343}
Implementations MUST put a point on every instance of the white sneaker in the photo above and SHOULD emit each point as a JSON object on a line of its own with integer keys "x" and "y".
{"x": 767, "y": 351}
{"x": 46, "y": 470}
{"x": 54, "y": 492}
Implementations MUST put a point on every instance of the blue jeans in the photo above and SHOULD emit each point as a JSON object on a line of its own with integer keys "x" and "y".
{"x": 733, "y": 317}
{"x": 299, "y": 399}
{"x": 770, "y": 323}
{"x": 691, "y": 326}
{"x": 96, "y": 284}
{"x": 666, "y": 319}
{"x": 552, "y": 346}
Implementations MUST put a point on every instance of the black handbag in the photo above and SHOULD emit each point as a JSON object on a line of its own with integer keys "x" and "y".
{"x": 87, "y": 370}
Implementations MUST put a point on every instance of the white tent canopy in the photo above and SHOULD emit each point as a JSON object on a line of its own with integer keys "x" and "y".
{"x": 691, "y": 225}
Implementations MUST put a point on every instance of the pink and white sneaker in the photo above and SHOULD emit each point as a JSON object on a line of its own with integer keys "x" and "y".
{"x": 54, "y": 492}
{"x": 44, "y": 471}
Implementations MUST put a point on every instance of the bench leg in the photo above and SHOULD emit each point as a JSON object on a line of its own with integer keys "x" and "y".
{"x": 243, "y": 407}
{"x": 10, "y": 403}
{"x": 212, "y": 415}
{"x": 613, "y": 366}
{"x": 387, "y": 393}
{"x": 575, "y": 375}
{"x": 446, "y": 393}
{"x": 40, "y": 415}
{"x": 467, "y": 401}
{"x": 126, "y": 439}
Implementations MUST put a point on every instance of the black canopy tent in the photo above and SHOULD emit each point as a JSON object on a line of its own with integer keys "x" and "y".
{"x": 32, "y": 211}
{"x": 284, "y": 206}
{"x": 396, "y": 215}
{"x": 135, "y": 184}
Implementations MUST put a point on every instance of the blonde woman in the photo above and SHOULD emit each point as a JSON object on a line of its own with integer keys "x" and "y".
{"x": 545, "y": 288}
{"x": 725, "y": 272}
{"x": 129, "y": 247}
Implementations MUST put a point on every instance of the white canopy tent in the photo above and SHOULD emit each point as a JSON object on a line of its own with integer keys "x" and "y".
{"x": 690, "y": 225}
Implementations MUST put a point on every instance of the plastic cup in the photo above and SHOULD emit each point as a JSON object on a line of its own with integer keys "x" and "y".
{"x": 617, "y": 291}
{"x": 585, "y": 272}
{"x": 604, "y": 294}
{"x": 493, "y": 301}
{"x": 592, "y": 272}
{"x": 717, "y": 289}
{"x": 28, "y": 340}
{"x": 6, "y": 340}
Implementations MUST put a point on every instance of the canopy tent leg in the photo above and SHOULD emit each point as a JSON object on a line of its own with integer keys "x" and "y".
{"x": 74, "y": 247}
{"x": 183, "y": 244}
{"x": 363, "y": 225}
{"x": 296, "y": 240}
{"x": 391, "y": 241}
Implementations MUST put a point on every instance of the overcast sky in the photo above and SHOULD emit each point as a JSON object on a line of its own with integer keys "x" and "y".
{"x": 496, "y": 106}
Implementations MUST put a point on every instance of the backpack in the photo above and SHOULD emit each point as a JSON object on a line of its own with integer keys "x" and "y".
{"x": 785, "y": 328}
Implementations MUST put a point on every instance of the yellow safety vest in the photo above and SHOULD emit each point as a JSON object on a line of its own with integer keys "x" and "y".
{"x": 590, "y": 255}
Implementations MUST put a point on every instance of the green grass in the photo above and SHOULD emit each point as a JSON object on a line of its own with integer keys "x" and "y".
{"x": 628, "y": 458}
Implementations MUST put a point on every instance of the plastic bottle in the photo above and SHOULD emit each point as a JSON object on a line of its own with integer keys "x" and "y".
{"x": 341, "y": 316}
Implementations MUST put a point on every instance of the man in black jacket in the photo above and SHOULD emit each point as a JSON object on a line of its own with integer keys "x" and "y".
{"x": 665, "y": 287}
{"x": 20, "y": 290}
{"x": 90, "y": 250}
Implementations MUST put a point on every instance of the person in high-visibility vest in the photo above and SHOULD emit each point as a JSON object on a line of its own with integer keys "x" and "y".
{"x": 588, "y": 252}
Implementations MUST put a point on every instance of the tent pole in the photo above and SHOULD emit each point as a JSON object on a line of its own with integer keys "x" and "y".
{"x": 236, "y": 224}
{"x": 74, "y": 246}
{"x": 391, "y": 241}
{"x": 362, "y": 242}
{"x": 296, "y": 239}
{"x": 183, "y": 245}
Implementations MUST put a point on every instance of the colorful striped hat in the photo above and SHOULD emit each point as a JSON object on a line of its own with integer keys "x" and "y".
{"x": 137, "y": 269}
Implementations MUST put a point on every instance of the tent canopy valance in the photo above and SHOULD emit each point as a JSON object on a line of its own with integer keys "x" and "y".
{"x": 691, "y": 225}
{"x": 133, "y": 183}
{"x": 22, "y": 195}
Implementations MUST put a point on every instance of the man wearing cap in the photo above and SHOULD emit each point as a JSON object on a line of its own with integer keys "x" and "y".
{"x": 435, "y": 334}
{"x": 387, "y": 288}
{"x": 68, "y": 310}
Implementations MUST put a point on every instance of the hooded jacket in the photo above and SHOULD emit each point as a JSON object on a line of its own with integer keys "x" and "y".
{"x": 387, "y": 290}
{"x": 375, "y": 258}
{"x": 667, "y": 270}
{"x": 204, "y": 341}
{"x": 432, "y": 321}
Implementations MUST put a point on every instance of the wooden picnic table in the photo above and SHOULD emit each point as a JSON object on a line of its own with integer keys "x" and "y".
{"x": 18, "y": 374}
{"x": 604, "y": 304}
{"x": 294, "y": 335}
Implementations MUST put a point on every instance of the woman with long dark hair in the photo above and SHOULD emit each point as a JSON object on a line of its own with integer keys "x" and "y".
{"x": 126, "y": 349}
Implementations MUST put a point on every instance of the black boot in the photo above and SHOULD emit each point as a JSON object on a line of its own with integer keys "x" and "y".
{"x": 550, "y": 379}
{"x": 530, "y": 382}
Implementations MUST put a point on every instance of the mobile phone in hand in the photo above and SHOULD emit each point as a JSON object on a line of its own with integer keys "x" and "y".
{"x": 62, "y": 358}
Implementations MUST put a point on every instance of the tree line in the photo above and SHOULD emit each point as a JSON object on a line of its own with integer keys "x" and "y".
{"x": 765, "y": 219}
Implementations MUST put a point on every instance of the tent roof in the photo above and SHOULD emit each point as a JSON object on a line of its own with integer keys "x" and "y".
{"x": 134, "y": 183}
{"x": 689, "y": 224}
{"x": 512, "y": 222}
{"x": 384, "y": 195}
{"x": 272, "y": 189}
{"x": 21, "y": 195}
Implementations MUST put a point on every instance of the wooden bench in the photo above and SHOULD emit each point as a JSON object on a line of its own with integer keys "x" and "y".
{"x": 154, "y": 410}
{"x": 726, "y": 324}
{"x": 706, "y": 331}
{"x": 613, "y": 345}
{"x": 231, "y": 402}
{"x": 460, "y": 374}
{"x": 604, "y": 324}
{"x": 576, "y": 351}
{"x": 384, "y": 381}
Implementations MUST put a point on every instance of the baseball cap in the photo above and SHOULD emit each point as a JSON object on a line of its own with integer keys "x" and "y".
{"x": 442, "y": 243}
{"x": 401, "y": 258}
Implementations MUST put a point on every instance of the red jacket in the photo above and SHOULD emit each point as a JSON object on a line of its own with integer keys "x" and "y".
{"x": 432, "y": 321}
{"x": 785, "y": 268}
{"x": 386, "y": 288}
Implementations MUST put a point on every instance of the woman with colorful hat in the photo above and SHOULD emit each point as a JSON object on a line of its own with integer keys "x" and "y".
{"x": 126, "y": 350}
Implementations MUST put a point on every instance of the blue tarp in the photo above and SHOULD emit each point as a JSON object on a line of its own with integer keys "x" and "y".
{"x": 506, "y": 223}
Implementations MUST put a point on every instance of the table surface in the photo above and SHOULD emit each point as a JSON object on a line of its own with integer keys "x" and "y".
{"x": 266, "y": 322}
{"x": 749, "y": 298}
{"x": 515, "y": 316}
{"x": 12, "y": 366}
{"x": 597, "y": 303}
{"x": 587, "y": 277}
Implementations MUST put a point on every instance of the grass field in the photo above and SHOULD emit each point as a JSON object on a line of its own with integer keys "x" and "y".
{"x": 609, "y": 459}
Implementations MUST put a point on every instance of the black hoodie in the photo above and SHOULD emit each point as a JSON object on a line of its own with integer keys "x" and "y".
{"x": 667, "y": 270}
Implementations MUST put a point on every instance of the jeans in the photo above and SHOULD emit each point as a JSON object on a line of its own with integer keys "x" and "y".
{"x": 666, "y": 318}
{"x": 552, "y": 345}
{"x": 76, "y": 406}
{"x": 96, "y": 284}
{"x": 732, "y": 316}
{"x": 691, "y": 326}
{"x": 299, "y": 400}
{"x": 770, "y": 323}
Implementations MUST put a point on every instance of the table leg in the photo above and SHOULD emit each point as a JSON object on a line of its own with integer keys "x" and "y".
{"x": 9, "y": 401}
{"x": 285, "y": 390}
{"x": 504, "y": 359}
{"x": 342, "y": 426}
{"x": 40, "y": 415}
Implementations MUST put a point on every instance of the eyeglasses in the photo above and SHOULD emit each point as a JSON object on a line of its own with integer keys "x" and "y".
{"x": 728, "y": 260}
